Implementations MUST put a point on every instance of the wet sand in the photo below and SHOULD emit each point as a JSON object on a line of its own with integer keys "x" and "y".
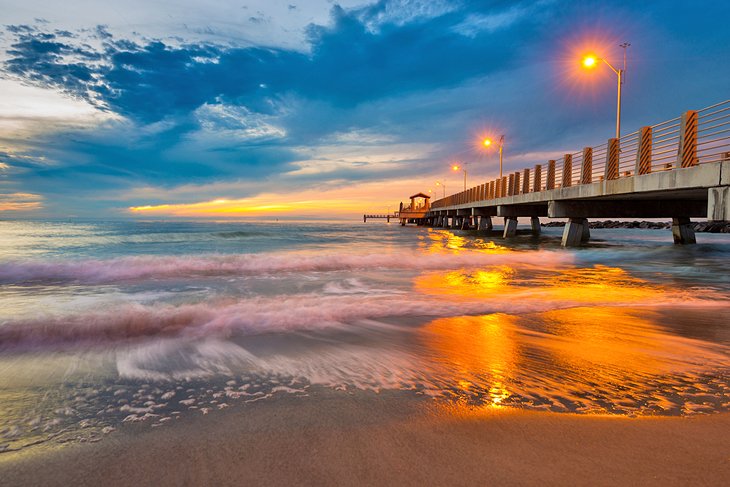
{"x": 338, "y": 438}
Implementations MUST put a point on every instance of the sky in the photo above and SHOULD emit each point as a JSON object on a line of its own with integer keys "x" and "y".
{"x": 322, "y": 109}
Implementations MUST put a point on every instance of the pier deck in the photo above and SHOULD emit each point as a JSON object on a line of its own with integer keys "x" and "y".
{"x": 677, "y": 169}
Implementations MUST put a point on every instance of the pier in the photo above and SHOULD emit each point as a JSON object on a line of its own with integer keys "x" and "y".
{"x": 380, "y": 216}
{"x": 678, "y": 169}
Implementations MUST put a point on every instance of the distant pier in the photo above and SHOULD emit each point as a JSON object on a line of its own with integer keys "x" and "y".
{"x": 381, "y": 216}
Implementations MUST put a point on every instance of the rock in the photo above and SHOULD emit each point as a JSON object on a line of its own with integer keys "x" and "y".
{"x": 700, "y": 227}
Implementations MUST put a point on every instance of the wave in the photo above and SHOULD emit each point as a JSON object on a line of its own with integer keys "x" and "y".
{"x": 241, "y": 234}
{"x": 96, "y": 271}
{"x": 281, "y": 314}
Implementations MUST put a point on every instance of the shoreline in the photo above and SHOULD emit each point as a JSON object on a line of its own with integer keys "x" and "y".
{"x": 391, "y": 438}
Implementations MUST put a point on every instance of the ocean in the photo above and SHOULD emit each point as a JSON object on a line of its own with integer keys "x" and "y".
{"x": 103, "y": 324}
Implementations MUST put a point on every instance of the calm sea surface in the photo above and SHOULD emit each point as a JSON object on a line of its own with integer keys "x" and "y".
{"x": 103, "y": 323}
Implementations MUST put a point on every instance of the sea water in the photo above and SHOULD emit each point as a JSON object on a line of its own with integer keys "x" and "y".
{"x": 106, "y": 323}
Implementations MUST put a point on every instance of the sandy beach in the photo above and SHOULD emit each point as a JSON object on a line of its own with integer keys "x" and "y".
{"x": 338, "y": 438}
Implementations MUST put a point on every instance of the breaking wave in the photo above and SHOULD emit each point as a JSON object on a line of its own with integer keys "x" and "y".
{"x": 279, "y": 314}
{"x": 168, "y": 267}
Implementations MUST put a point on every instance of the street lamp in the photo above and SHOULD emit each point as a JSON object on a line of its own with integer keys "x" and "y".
{"x": 439, "y": 183}
{"x": 590, "y": 61}
{"x": 487, "y": 142}
{"x": 456, "y": 167}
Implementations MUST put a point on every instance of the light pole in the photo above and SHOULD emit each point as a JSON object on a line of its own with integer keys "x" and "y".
{"x": 439, "y": 183}
{"x": 488, "y": 142}
{"x": 591, "y": 62}
{"x": 456, "y": 167}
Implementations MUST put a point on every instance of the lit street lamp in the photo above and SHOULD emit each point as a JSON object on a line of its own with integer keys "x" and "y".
{"x": 591, "y": 61}
{"x": 456, "y": 167}
{"x": 439, "y": 183}
{"x": 488, "y": 142}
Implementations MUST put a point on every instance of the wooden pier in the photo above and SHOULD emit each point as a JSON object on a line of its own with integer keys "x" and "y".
{"x": 387, "y": 217}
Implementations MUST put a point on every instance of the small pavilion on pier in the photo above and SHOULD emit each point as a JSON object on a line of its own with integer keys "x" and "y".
{"x": 416, "y": 211}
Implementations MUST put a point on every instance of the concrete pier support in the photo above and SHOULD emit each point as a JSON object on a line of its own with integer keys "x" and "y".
{"x": 576, "y": 232}
{"x": 586, "y": 232}
{"x": 535, "y": 225}
{"x": 485, "y": 223}
{"x": 466, "y": 223}
{"x": 510, "y": 227}
{"x": 718, "y": 203}
{"x": 682, "y": 231}
{"x": 454, "y": 222}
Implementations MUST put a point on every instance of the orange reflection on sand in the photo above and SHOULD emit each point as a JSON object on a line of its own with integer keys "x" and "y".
{"x": 583, "y": 359}
{"x": 444, "y": 239}
{"x": 471, "y": 283}
{"x": 599, "y": 284}
{"x": 475, "y": 350}
{"x": 606, "y": 343}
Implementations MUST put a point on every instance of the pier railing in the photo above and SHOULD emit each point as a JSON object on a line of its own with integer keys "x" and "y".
{"x": 696, "y": 137}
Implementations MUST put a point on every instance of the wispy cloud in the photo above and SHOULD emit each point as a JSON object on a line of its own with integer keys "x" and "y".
{"x": 20, "y": 202}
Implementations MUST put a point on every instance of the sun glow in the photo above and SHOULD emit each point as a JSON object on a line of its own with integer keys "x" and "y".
{"x": 336, "y": 202}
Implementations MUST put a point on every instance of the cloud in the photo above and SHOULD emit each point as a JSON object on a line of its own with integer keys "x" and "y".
{"x": 349, "y": 63}
{"x": 20, "y": 202}
{"x": 391, "y": 90}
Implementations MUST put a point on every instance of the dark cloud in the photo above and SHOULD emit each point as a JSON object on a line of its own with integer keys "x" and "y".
{"x": 349, "y": 64}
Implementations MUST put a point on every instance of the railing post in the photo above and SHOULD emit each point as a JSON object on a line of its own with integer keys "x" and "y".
{"x": 612, "y": 159}
{"x": 643, "y": 153}
{"x": 550, "y": 184}
{"x": 516, "y": 189}
{"x": 526, "y": 181}
{"x": 490, "y": 194}
{"x": 586, "y": 168}
{"x": 503, "y": 189}
{"x": 687, "y": 156}
{"x": 567, "y": 170}
{"x": 511, "y": 185}
{"x": 537, "y": 181}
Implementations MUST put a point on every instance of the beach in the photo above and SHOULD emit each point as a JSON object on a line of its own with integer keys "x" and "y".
{"x": 222, "y": 353}
{"x": 391, "y": 439}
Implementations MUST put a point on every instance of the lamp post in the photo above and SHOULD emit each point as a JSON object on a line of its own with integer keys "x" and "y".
{"x": 439, "y": 183}
{"x": 488, "y": 142}
{"x": 456, "y": 167}
{"x": 591, "y": 62}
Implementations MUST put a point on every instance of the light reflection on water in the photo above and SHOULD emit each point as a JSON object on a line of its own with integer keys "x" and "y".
{"x": 526, "y": 325}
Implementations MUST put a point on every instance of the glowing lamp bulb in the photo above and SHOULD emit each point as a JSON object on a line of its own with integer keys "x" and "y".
{"x": 455, "y": 167}
{"x": 590, "y": 61}
{"x": 487, "y": 142}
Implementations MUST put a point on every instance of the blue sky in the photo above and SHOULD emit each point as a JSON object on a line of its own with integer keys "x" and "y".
{"x": 308, "y": 108}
